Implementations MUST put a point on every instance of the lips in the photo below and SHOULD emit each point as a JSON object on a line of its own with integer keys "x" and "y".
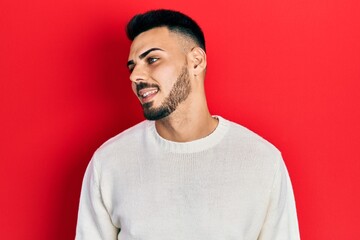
{"x": 147, "y": 94}
{"x": 146, "y": 91}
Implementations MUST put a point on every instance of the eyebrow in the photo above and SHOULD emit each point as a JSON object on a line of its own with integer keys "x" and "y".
{"x": 144, "y": 54}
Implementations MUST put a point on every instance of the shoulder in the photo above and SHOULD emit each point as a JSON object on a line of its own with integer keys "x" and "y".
{"x": 246, "y": 142}
{"x": 243, "y": 133}
{"x": 121, "y": 144}
{"x": 127, "y": 136}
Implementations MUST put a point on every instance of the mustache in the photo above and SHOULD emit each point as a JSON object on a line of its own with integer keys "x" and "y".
{"x": 143, "y": 85}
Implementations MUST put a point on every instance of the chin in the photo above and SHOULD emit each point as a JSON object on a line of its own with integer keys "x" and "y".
{"x": 151, "y": 113}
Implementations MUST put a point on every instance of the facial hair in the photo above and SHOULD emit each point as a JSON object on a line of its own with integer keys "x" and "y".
{"x": 179, "y": 93}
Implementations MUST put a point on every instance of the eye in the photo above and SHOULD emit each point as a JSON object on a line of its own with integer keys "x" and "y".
{"x": 151, "y": 60}
{"x": 131, "y": 68}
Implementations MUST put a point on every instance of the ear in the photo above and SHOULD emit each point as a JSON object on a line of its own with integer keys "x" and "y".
{"x": 197, "y": 60}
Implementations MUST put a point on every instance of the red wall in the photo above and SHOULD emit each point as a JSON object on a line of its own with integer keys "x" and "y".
{"x": 288, "y": 70}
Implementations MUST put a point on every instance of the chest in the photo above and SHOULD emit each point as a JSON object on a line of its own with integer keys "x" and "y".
{"x": 217, "y": 202}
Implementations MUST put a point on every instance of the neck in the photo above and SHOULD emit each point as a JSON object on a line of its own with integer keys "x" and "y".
{"x": 188, "y": 122}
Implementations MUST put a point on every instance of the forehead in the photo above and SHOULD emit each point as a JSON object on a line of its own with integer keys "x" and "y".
{"x": 159, "y": 37}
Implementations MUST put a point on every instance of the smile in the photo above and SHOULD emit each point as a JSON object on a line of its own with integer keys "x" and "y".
{"x": 147, "y": 94}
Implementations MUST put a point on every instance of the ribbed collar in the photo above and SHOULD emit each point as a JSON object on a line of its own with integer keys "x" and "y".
{"x": 198, "y": 145}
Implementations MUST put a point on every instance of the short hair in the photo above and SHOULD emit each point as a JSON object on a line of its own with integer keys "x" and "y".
{"x": 175, "y": 21}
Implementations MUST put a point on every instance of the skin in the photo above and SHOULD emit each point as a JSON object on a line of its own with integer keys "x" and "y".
{"x": 168, "y": 55}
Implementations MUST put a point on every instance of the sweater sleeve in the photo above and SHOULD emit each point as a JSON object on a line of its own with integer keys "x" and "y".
{"x": 94, "y": 221}
{"x": 281, "y": 220}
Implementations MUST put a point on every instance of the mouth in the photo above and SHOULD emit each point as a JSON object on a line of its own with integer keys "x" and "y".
{"x": 147, "y": 94}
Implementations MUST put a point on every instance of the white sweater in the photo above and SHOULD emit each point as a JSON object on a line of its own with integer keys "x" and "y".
{"x": 231, "y": 184}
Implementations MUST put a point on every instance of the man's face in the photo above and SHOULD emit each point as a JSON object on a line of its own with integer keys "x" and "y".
{"x": 159, "y": 73}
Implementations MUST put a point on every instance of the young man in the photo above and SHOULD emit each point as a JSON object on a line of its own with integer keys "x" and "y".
{"x": 183, "y": 173}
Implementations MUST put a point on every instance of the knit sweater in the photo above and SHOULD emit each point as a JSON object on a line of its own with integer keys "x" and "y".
{"x": 231, "y": 184}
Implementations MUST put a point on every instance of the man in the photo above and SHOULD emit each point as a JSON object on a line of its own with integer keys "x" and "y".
{"x": 183, "y": 173}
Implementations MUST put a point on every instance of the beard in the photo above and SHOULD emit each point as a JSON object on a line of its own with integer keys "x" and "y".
{"x": 179, "y": 93}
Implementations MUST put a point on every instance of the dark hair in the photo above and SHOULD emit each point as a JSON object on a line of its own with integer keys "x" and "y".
{"x": 175, "y": 21}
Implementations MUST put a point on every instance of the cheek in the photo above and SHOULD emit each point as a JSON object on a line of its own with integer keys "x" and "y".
{"x": 166, "y": 76}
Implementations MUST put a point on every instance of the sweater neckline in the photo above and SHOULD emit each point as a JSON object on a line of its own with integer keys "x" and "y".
{"x": 197, "y": 145}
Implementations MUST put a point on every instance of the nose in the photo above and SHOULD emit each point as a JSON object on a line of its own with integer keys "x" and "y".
{"x": 138, "y": 74}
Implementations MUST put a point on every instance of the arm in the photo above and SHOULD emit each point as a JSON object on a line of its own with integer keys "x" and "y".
{"x": 94, "y": 221}
{"x": 281, "y": 220}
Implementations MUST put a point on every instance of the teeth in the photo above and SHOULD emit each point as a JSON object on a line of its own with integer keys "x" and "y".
{"x": 148, "y": 93}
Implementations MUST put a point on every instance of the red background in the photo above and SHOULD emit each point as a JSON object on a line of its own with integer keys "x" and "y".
{"x": 288, "y": 70}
